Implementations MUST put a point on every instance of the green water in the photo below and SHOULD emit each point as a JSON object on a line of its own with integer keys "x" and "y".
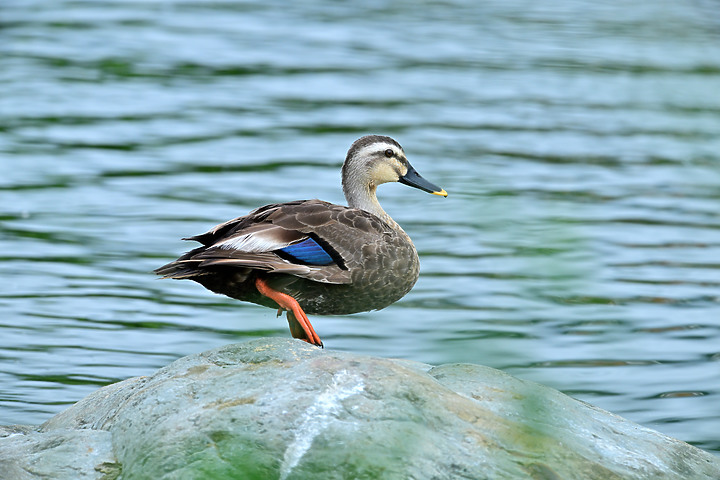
{"x": 579, "y": 143}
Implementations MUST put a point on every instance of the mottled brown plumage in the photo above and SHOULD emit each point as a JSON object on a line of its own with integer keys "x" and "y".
{"x": 371, "y": 262}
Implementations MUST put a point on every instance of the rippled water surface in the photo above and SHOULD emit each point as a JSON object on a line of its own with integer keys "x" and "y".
{"x": 579, "y": 143}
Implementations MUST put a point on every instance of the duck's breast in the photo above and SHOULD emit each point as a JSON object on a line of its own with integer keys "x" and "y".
{"x": 380, "y": 258}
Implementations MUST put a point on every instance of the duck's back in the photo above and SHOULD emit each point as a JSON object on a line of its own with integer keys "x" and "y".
{"x": 332, "y": 259}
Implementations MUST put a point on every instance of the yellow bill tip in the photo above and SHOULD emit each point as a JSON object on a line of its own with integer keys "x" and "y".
{"x": 442, "y": 193}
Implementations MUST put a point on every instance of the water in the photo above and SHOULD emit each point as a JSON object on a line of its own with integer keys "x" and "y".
{"x": 579, "y": 143}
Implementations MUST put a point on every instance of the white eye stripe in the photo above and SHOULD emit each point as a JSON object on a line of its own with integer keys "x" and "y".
{"x": 378, "y": 147}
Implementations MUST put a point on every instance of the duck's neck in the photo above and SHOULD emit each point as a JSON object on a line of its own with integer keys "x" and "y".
{"x": 365, "y": 198}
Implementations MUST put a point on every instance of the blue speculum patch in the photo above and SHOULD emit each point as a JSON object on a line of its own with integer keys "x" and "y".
{"x": 308, "y": 251}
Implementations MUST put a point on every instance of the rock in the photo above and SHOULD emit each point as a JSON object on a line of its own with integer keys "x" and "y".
{"x": 59, "y": 454}
{"x": 276, "y": 408}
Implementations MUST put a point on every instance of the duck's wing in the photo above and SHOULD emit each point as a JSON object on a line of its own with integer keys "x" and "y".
{"x": 306, "y": 238}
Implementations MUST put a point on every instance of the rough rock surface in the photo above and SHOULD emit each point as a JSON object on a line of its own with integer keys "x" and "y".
{"x": 276, "y": 408}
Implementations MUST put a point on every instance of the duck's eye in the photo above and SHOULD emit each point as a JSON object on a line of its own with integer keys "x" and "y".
{"x": 389, "y": 153}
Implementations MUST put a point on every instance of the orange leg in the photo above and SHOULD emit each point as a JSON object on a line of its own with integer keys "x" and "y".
{"x": 286, "y": 302}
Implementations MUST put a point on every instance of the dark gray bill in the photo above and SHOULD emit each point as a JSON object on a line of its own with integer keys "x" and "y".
{"x": 413, "y": 178}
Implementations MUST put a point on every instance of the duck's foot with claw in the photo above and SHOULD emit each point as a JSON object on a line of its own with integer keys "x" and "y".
{"x": 300, "y": 326}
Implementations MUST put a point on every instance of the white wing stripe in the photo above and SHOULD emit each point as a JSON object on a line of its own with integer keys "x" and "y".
{"x": 250, "y": 242}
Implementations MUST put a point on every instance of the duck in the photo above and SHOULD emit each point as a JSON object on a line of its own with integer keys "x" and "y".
{"x": 311, "y": 257}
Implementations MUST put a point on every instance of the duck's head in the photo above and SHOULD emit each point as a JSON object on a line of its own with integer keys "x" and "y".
{"x": 375, "y": 159}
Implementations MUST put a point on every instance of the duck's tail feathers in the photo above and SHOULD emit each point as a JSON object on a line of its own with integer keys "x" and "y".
{"x": 179, "y": 269}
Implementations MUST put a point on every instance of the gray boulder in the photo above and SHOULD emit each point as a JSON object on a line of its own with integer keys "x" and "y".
{"x": 282, "y": 409}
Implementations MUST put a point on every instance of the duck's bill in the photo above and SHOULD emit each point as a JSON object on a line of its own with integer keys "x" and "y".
{"x": 413, "y": 179}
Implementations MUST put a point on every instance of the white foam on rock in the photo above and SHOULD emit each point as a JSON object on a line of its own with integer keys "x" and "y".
{"x": 318, "y": 416}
